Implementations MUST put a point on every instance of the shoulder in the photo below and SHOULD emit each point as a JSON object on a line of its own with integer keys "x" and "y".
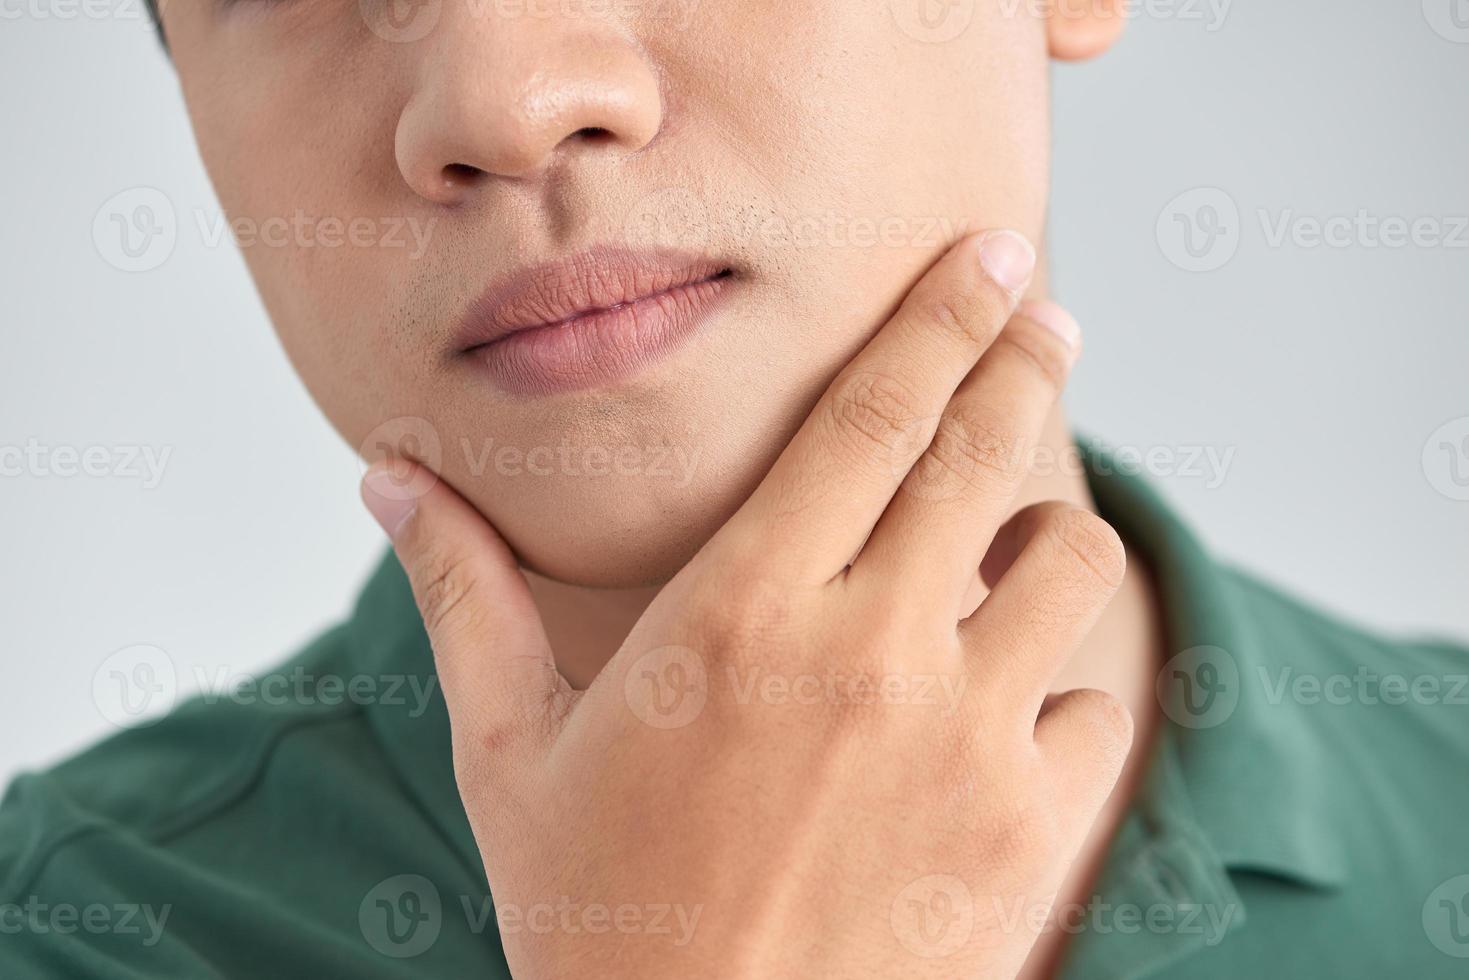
{"x": 1307, "y": 657}
{"x": 99, "y": 854}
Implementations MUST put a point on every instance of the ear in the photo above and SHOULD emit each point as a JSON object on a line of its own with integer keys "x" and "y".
{"x": 1080, "y": 29}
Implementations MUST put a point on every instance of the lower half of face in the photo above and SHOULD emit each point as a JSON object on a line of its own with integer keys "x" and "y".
{"x": 595, "y": 268}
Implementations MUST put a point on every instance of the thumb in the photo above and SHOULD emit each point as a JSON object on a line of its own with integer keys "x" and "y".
{"x": 494, "y": 660}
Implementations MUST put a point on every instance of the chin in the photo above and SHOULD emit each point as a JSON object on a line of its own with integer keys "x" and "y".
{"x": 611, "y": 537}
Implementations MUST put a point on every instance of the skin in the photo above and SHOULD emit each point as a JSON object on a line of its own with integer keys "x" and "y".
{"x": 516, "y": 139}
{"x": 601, "y": 795}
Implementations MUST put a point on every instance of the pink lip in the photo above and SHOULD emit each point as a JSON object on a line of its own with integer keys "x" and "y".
{"x": 590, "y": 319}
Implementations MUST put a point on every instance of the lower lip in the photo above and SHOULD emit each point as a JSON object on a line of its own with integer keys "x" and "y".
{"x": 601, "y": 347}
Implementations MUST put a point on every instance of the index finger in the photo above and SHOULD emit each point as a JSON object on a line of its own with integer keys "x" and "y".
{"x": 827, "y": 490}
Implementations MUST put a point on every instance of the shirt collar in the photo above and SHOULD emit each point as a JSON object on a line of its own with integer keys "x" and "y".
{"x": 1245, "y": 775}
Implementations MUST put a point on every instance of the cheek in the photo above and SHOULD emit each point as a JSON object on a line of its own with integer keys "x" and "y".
{"x": 298, "y": 145}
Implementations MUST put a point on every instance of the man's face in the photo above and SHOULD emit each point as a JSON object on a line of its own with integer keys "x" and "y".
{"x": 387, "y": 162}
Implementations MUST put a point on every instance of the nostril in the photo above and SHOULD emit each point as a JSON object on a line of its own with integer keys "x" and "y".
{"x": 462, "y": 175}
{"x": 593, "y": 134}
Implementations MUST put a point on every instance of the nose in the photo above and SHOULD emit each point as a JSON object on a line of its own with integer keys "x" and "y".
{"x": 503, "y": 97}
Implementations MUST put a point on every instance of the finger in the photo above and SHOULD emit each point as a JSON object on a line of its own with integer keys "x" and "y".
{"x": 818, "y": 503}
{"x": 1069, "y": 564}
{"x": 494, "y": 660}
{"x": 944, "y": 517}
{"x": 1086, "y": 735}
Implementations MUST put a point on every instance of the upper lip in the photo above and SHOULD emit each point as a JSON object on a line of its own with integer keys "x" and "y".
{"x": 579, "y": 285}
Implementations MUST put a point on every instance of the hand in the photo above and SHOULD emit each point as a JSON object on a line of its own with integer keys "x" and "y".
{"x": 842, "y": 829}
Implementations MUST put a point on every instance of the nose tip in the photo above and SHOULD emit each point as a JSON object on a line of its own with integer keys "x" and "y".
{"x": 511, "y": 113}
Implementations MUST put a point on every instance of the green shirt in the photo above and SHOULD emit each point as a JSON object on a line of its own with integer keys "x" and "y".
{"x": 1304, "y": 815}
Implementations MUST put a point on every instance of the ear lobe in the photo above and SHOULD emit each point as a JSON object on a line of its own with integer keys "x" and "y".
{"x": 1080, "y": 29}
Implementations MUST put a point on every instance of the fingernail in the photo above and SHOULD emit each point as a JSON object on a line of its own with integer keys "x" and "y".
{"x": 389, "y": 494}
{"x": 1055, "y": 319}
{"x": 1008, "y": 258}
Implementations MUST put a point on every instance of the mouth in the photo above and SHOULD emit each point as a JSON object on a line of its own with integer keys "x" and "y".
{"x": 592, "y": 319}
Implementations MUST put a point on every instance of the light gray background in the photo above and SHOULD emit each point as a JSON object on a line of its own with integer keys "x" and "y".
{"x": 1325, "y": 370}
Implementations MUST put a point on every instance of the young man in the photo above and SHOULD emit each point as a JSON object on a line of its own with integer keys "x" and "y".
{"x": 769, "y": 630}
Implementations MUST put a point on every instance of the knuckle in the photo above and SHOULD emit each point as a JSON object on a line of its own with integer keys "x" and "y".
{"x": 970, "y": 312}
{"x": 978, "y": 446}
{"x": 442, "y": 585}
{"x": 874, "y": 409}
{"x": 1107, "y": 723}
{"x": 1038, "y": 349}
{"x": 1091, "y": 544}
{"x": 745, "y": 610}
